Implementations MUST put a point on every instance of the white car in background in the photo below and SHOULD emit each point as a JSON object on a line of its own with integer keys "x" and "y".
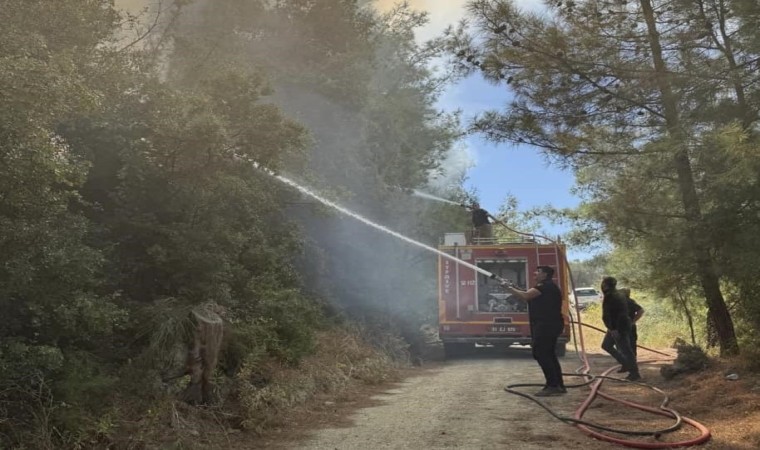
{"x": 586, "y": 296}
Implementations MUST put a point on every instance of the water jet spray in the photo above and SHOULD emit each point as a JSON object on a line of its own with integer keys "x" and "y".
{"x": 386, "y": 230}
{"x": 433, "y": 197}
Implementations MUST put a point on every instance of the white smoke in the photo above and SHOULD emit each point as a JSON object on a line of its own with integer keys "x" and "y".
{"x": 453, "y": 169}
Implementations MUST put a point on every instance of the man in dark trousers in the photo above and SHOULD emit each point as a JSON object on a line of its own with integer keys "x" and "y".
{"x": 480, "y": 222}
{"x": 619, "y": 327}
{"x": 635, "y": 311}
{"x": 546, "y": 324}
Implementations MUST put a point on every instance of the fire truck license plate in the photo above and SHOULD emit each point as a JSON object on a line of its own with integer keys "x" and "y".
{"x": 502, "y": 329}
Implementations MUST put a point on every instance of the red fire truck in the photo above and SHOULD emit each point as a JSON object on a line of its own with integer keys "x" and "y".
{"x": 475, "y": 309}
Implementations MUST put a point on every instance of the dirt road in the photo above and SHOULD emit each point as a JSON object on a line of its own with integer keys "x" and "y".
{"x": 461, "y": 404}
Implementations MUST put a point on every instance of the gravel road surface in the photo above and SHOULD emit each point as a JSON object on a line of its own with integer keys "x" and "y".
{"x": 462, "y": 404}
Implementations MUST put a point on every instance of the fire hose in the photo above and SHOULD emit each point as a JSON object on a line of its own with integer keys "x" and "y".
{"x": 597, "y": 431}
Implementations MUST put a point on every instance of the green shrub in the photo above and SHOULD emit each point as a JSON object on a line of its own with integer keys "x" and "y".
{"x": 83, "y": 394}
{"x": 246, "y": 343}
{"x": 50, "y": 397}
{"x": 292, "y": 319}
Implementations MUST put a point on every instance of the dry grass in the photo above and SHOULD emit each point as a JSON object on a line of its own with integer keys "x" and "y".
{"x": 342, "y": 357}
{"x": 262, "y": 398}
{"x": 731, "y": 409}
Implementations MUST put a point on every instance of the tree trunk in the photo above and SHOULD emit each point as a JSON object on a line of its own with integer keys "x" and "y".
{"x": 203, "y": 355}
{"x": 684, "y": 300}
{"x": 712, "y": 335}
{"x": 716, "y": 305}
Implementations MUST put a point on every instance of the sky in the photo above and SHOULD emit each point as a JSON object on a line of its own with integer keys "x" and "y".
{"x": 497, "y": 169}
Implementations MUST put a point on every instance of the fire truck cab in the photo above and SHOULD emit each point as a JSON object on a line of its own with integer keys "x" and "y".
{"x": 475, "y": 309}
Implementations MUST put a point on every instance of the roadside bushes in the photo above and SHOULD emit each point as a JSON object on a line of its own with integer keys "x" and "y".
{"x": 268, "y": 388}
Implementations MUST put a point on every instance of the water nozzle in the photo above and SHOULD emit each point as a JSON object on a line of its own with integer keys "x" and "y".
{"x": 502, "y": 281}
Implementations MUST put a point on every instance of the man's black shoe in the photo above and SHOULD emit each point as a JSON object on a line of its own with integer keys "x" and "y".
{"x": 550, "y": 391}
{"x": 622, "y": 370}
{"x": 633, "y": 377}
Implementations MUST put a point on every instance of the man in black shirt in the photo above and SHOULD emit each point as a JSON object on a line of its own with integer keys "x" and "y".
{"x": 617, "y": 340}
{"x": 546, "y": 324}
{"x": 480, "y": 222}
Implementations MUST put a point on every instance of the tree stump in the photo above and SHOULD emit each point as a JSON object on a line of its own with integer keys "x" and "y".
{"x": 203, "y": 354}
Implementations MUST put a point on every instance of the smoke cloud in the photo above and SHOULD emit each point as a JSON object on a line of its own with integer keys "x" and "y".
{"x": 453, "y": 169}
{"x": 358, "y": 151}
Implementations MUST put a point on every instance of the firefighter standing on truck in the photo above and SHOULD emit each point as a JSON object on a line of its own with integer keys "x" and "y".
{"x": 480, "y": 223}
{"x": 546, "y": 324}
